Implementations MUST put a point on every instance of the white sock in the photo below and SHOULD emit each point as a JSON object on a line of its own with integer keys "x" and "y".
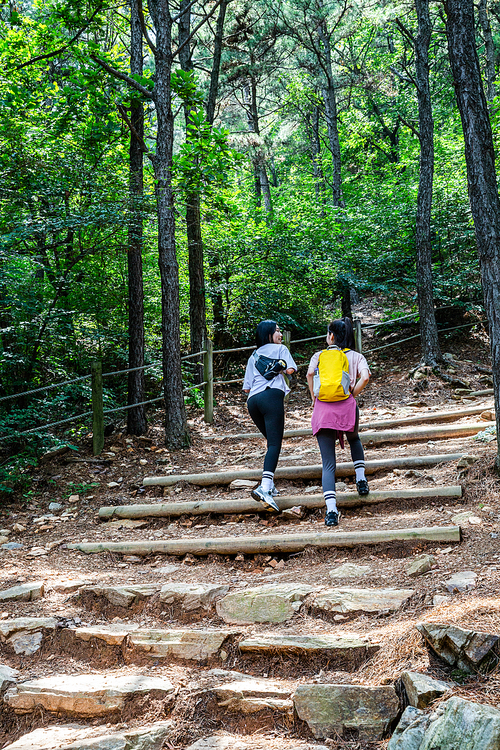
{"x": 359, "y": 468}
{"x": 330, "y": 500}
{"x": 267, "y": 480}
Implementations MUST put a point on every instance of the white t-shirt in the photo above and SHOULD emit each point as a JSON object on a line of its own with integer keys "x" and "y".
{"x": 254, "y": 380}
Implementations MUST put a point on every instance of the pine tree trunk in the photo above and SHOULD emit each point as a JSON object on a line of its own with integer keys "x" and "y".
{"x": 481, "y": 174}
{"x": 197, "y": 306}
{"x": 176, "y": 432}
{"x": 489, "y": 48}
{"x": 431, "y": 352}
{"x": 330, "y": 99}
{"x": 136, "y": 417}
{"x": 214, "y": 75}
{"x": 319, "y": 178}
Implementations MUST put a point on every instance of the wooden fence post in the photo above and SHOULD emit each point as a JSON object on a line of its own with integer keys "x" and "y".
{"x": 287, "y": 337}
{"x": 208, "y": 377}
{"x": 357, "y": 335}
{"x": 97, "y": 409}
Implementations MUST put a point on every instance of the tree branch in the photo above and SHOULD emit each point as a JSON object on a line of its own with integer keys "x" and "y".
{"x": 144, "y": 28}
{"x": 48, "y": 55}
{"x": 122, "y": 76}
{"x": 128, "y": 122}
{"x": 402, "y": 77}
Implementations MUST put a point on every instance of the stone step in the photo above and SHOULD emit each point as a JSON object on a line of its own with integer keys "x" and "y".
{"x": 24, "y": 635}
{"x": 77, "y": 737}
{"x": 84, "y": 695}
{"x": 26, "y": 592}
{"x": 182, "y": 600}
{"x": 248, "y": 505}
{"x": 280, "y": 602}
{"x": 304, "y": 472}
{"x": 283, "y": 543}
{"x": 251, "y": 696}
{"x": 334, "y": 710}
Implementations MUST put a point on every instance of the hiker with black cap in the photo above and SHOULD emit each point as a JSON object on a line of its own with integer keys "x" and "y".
{"x": 266, "y": 387}
{"x": 335, "y": 377}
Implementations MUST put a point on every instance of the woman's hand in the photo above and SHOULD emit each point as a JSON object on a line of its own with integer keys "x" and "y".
{"x": 290, "y": 371}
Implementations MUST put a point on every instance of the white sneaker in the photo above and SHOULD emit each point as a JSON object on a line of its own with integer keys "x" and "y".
{"x": 274, "y": 491}
{"x": 265, "y": 497}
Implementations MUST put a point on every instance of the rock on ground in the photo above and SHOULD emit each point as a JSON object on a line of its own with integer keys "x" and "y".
{"x": 455, "y": 724}
{"x": 76, "y": 737}
{"x": 82, "y": 695}
{"x": 331, "y": 710}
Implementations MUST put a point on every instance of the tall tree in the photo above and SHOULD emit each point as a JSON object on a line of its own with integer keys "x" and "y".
{"x": 136, "y": 417}
{"x": 481, "y": 173}
{"x": 431, "y": 352}
{"x": 197, "y": 314}
{"x": 164, "y": 52}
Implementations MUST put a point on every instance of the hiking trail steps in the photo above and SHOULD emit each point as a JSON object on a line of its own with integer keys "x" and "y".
{"x": 157, "y": 662}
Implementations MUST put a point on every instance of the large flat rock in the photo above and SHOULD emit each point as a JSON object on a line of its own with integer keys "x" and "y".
{"x": 251, "y": 696}
{"x": 8, "y": 627}
{"x": 123, "y": 596}
{"x": 268, "y": 603}
{"x": 352, "y": 645}
{"x": 469, "y": 650}
{"x": 196, "y": 645}
{"x": 191, "y": 596}
{"x": 83, "y": 695}
{"x": 25, "y": 592}
{"x": 345, "y": 600}
{"x": 331, "y": 710}
{"x": 113, "y": 635}
{"x": 76, "y": 737}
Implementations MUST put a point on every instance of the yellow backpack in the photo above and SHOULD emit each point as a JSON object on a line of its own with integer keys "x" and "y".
{"x": 331, "y": 378}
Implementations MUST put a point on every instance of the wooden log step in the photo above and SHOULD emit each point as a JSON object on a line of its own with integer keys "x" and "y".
{"x": 302, "y": 472}
{"x": 427, "y": 417}
{"x": 417, "y": 434}
{"x": 284, "y": 543}
{"x": 248, "y": 505}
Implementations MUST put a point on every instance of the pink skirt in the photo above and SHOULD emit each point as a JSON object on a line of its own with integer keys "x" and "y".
{"x": 334, "y": 415}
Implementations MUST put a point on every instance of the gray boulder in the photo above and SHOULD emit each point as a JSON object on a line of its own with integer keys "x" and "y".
{"x": 468, "y": 650}
{"x": 331, "y": 710}
{"x": 455, "y": 724}
{"x": 422, "y": 689}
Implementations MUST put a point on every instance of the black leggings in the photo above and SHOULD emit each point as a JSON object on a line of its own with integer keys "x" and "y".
{"x": 326, "y": 441}
{"x": 268, "y": 412}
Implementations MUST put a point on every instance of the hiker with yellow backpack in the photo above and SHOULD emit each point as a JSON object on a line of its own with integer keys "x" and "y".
{"x": 335, "y": 377}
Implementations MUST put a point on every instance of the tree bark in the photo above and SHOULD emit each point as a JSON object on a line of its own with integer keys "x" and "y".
{"x": 481, "y": 174}
{"x": 319, "y": 177}
{"x": 330, "y": 99}
{"x": 176, "y": 432}
{"x": 489, "y": 49}
{"x": 197, "y": 306}
{"x": 214, "y": 75}
{"x": 136, "y": 417}
{"x": 431, "y": 352}
{"x": 262, "y": 189}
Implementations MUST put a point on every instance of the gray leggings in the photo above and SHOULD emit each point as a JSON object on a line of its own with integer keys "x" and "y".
{"x": 326, "y": 441}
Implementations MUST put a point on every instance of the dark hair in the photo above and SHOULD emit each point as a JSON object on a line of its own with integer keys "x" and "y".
{"x": 264, "y": 332}
{"x": 343, "y": 333}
